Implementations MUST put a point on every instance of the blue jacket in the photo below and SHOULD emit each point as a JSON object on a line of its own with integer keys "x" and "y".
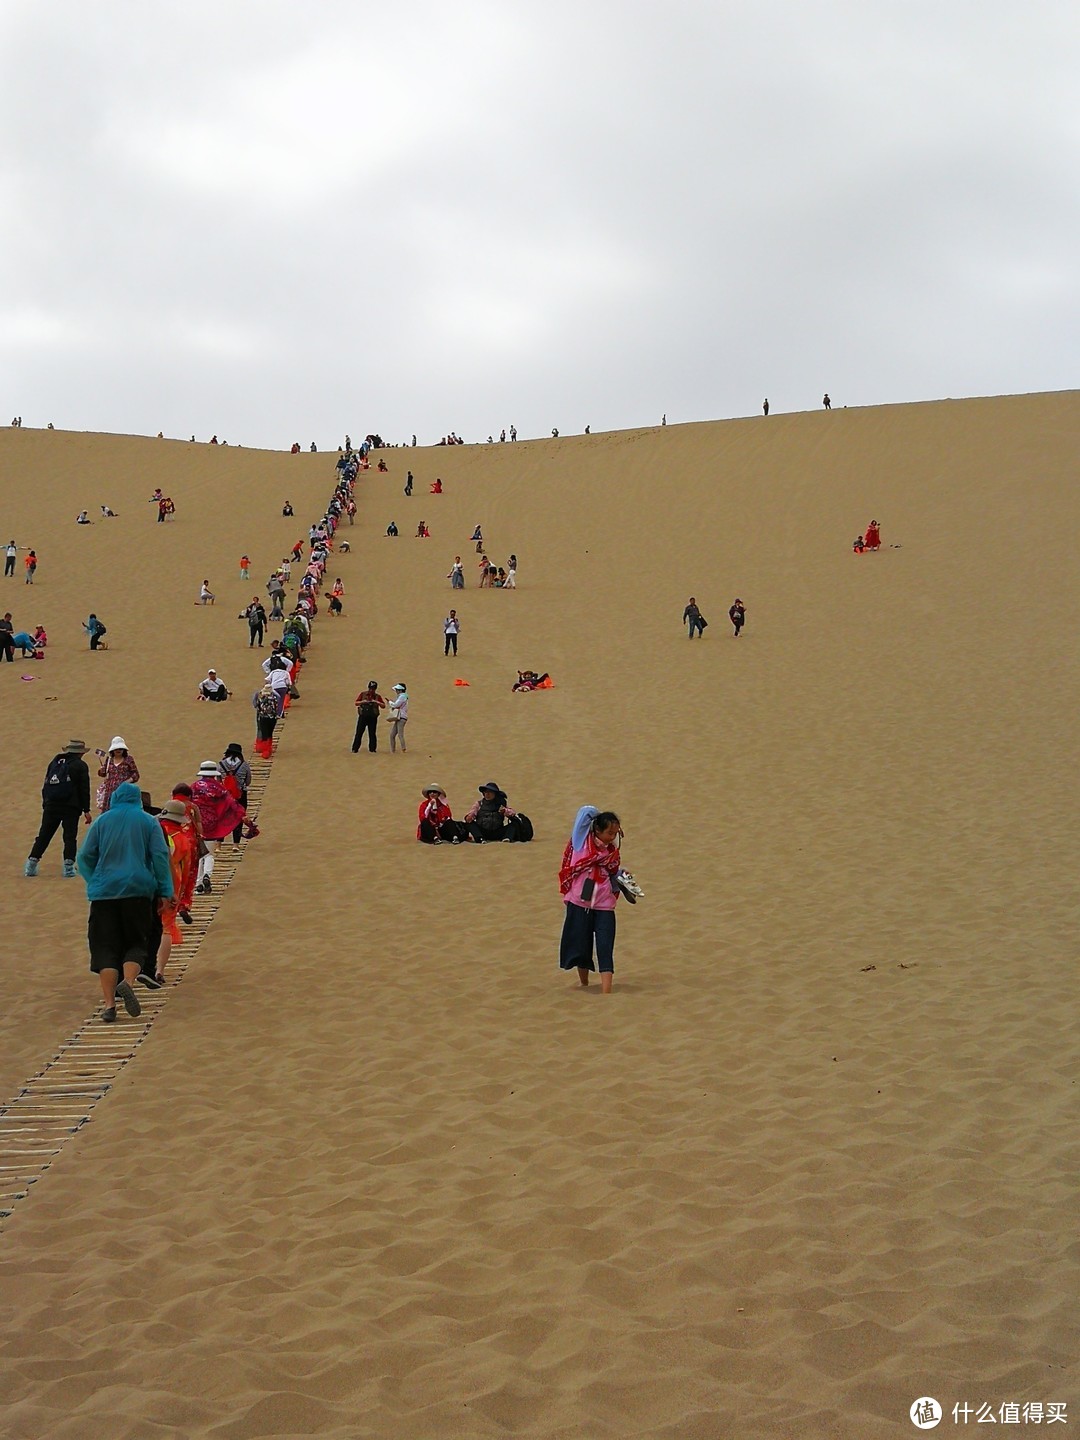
{"x": 125, "y": 852}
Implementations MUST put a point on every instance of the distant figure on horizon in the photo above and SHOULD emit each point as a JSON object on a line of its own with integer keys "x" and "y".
{"x": 663, "y": 418}
{"x": 765, "y": 406}
{"x": 693, "y": 617}
{"x": 588, "y": 429}
{"x": 554, "y": 434}
{"x": 737, "y": 615}
{"x": 826, "y": 401}
{"x": 314, "y": 448}
{"x": 513, "y": 432}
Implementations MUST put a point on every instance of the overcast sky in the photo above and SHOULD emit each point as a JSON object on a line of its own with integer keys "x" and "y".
{"x": 280, "y": 221}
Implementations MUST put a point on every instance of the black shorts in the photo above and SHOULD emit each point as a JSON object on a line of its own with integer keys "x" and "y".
{"x": 118, "y": 931}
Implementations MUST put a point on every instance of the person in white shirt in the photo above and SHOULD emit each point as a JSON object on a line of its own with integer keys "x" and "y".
{"x": 399, "y": 714}
{"x": 451, "y": 628}
{"x": 280, "y": 682}
{"x": 212, "y": 688}
{"x": 206, "y": 595}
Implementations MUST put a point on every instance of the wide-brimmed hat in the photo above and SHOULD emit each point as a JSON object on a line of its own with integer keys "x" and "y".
{"x": 174, "y": 810}
{"x": 209, "y": 767}
{"x": 117, "y": 743}
{"x": 492, "y": 785}
{"x": 433, "y": 790}
{"x": 74, "y": 747}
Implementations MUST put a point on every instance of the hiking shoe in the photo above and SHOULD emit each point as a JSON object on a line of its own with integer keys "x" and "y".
{"x": 70, "y": 873}
{"x": 130, "y": 999}
{"x": 109, "y": 1015}
{"x": 150, "y": 981}
{"x": 30, "y": 868}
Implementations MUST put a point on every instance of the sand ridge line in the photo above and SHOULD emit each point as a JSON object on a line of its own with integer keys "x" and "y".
{"x": 56, "y": 1102}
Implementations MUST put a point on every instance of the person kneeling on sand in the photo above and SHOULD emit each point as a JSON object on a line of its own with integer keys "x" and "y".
{"x": 206, "y": 595}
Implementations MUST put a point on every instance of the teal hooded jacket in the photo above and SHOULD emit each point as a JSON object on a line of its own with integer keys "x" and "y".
{"x": 125, "y": 853}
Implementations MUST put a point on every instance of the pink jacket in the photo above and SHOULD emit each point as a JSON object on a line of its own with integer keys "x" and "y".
{"x": 219, "y": 811}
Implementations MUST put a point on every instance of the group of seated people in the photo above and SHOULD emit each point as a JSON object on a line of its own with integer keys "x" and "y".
{"x": 491, "y": 819}
{"x": 530, "y": 680}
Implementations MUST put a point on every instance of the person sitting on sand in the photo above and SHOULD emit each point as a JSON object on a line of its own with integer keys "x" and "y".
{"x": 857, "y": 545}
{"x": 422, "y": 531}
{"x": 40, "y": 637}
{"x": 435, "y": 820}
{"x": 530, "y": 680}
{"x": 391, "y": 531}
{"x": 487, "y": 820}
{"x": 107, "y": 513}
{"x": 436, "y": 488}
{"x": 206, "y": 595}
{"x": 383, "y": 467}
{"x": 287, "y": 509}
{"x": 83, "y": 519}
{"x": 212, "y": 688}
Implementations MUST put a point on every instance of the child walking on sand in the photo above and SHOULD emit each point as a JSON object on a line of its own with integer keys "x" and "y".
{"x": 590, "y": 894}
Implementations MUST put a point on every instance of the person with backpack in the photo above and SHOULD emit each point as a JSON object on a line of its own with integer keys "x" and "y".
{"x": 96, "y": 631}
{"x": 219, "y": 813}
{"x": 368, "y": 704}
{"x": 236, "y": 777}
{"x": 491, "y": 819}
{"x": 65, "y": 798}
{"x": 264, "y": 703}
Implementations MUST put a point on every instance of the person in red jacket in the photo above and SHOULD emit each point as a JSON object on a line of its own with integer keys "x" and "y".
{"x": 183, "y": 862}
{"x": 220, "y": 815}
{"x": 435, "y": 821}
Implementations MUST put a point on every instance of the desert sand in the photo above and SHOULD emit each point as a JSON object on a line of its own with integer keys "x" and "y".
{"x": 379, "y": 1169}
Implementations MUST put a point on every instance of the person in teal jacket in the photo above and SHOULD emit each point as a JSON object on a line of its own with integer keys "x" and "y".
{"x": 125, "y": 863}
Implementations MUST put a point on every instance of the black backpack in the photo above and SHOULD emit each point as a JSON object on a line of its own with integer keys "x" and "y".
{"x": 59, "y": 787}
{"x": 521, "y": 828}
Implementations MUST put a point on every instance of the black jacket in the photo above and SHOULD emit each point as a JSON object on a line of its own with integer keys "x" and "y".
{"x": 80, "y": 778}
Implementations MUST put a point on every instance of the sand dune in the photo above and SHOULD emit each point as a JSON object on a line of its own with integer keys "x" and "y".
{"x": 379, "y": 1170}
